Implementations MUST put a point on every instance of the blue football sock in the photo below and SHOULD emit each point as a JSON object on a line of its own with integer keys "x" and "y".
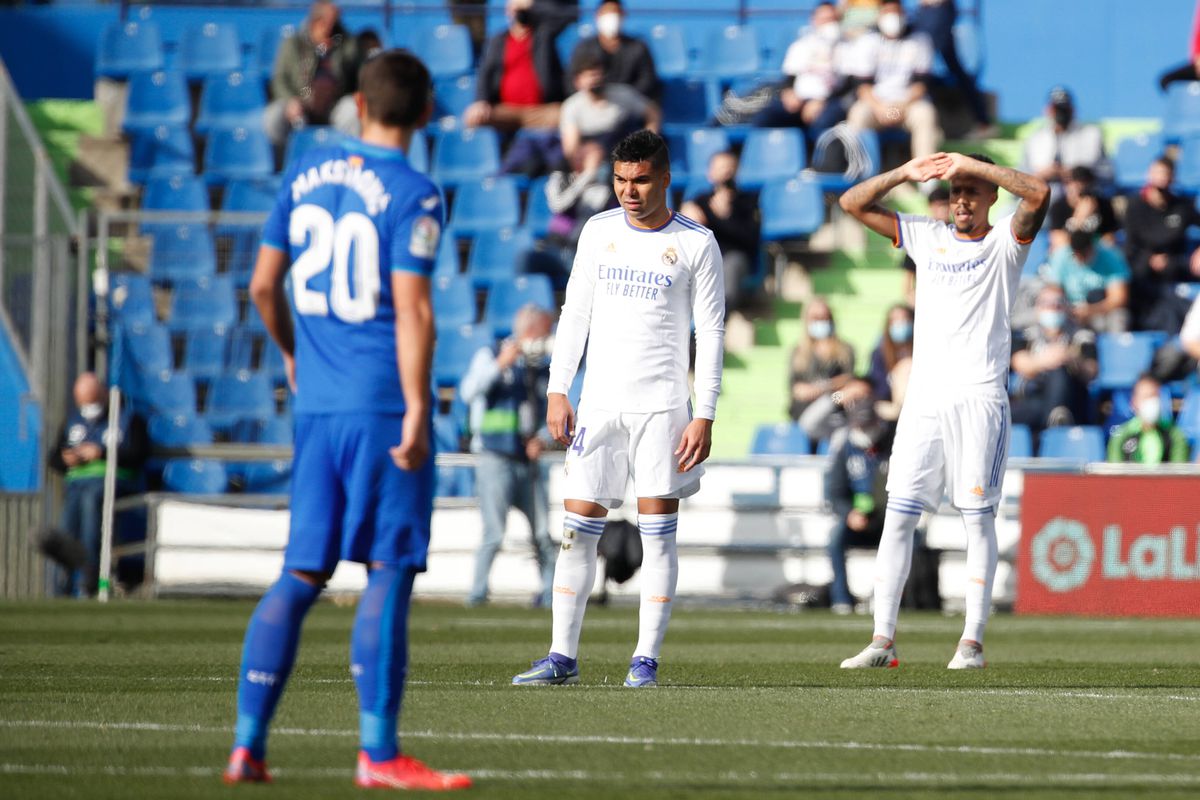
{"x": 267, "y": 657}
{"x": 379, "y": 658}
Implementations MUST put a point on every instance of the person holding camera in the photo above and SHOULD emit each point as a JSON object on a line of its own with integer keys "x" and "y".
{"x": 732, "y": 216}
{"x": 505, "y": 387}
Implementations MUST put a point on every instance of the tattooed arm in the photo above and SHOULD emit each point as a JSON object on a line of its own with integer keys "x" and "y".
{"x": 862, "y": 200}
{"x": 1033, "y": 191}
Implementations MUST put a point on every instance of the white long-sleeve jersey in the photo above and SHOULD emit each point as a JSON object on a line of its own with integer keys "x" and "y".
{"x": 633, "y": 297}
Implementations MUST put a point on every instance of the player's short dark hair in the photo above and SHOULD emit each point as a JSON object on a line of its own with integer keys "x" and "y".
{"x": 643, "y": 145}
{"x": 987, "y": 160}
{"x": 940, "y": 194}
{"x": 396, "y": 88}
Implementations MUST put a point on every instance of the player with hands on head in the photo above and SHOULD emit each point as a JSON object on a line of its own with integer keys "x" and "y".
{"x": 642, "y": 276}
{"x": 953, "y": 428}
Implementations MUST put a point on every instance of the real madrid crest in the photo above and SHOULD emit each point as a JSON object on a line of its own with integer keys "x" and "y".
{"x": 669, "y": 256}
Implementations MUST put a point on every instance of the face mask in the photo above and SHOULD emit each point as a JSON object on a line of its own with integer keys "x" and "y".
{"x": 91, "y": 411}
{"x": 1052, "y": 320}
{"x": 820, "y": 329}
{"x": 523, "y": 16}
{"x": 1063, "y": 115}
{"x": 891, "y": 25}
{"x": 1150, "y": 410}
{"x": 829, "y": 32}
{"x": 900, "y": 331}
{"x": 608, "y": 25}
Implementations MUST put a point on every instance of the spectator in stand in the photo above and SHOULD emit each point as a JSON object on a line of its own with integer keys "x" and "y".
{"x": 520, "y": 79}
{"x": 1177, "y": 359}
{"x": 626, "y": 59}
{"x": 1158, "y": 251}
{"x": 1081, "y": 207}
{"x": 506, "y": 389}
{"x": 1189, "y": 71}
{"x": 855, "y": 481}
{"x": 1095, "y": 279}
{"x": 579, "y": 188}
{"x": 732, "y": 216}
{"x": 821, "y": 365}
{"x": 1062, "y": 143}
{"x": 892, "y": 358}
{"x": 601, "y": 112}
{"x": 315, "y": 77}
{"x": 936, "y": 19}
{"x": 1054, "y": 361}
{"x": 1150, "y": 437}
{"x": 939, "y": 209}
{"x": 814, "y": 81}
{"x": 893, "y": 66}
{"x": 81, "y": 455}
{"x": 858, "y": 16}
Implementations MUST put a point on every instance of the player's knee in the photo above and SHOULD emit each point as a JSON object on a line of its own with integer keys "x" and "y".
{"x": 311, "y": 577}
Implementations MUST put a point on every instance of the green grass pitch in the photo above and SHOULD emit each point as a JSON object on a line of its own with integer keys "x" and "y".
{"x": 136, "y": 700}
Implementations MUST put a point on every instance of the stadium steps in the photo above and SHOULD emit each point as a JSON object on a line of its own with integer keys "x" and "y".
{"x": 63, "y": 126}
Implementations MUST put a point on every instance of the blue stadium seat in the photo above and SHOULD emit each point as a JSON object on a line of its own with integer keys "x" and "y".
{"x": 1189, "y": 413}
{"x": 206, "y": 302}
{"x": 167, "y": 392}
{"x": 451, "y": 96}
{"x": 418, "y": 152}
{"x": 195, "y": 476}
{"x": 130, "y": 299}
{"x": 731, "y": 52}
{"x": 486, "y": 205}
{"x": 237, "y": 154}
{"x": 254, "y": 196}
{"x": 161, "y": 153}
{"x": 244, "y": 395}
{"x": 446, "y": 433}
{"x": 791, "y": 208}
{"x": 669, "y": 50}
{"x": 569, "y": 39}
{"x": 271, "y": 364}
{"x": 453, "y": 301}
{"x": 181, "y": 252}
{"x": 770, "y": 153}
{"x": 204, "y": 351}
{"x": 1039, "y": 254}
{"x": 239, "y": 240}
{"x": 207, "y": 49}
{"x": 1123, "y": 357}
{"x": 465, "y": 155}
{"x": 454, "y": 351}
{"x": 1182, "y": 117}
{"x": 1133, "y": 157}
{"x": 537, "y": 208}
{"x": 687, "y": 104}
{"x": 447, "y": 262}
{"x": 446, "y": 51}
{"x": 268, "y": 46}
{"x": 307, "y": 138}
{"x": 780, "y": 439}
{"x": 180, "y": 430}
{"x": 232, "y": 100}
{"x": 506, "y": 299}
{"x": 266, "y": 477}
{"x": 127, "y": 47}
{"x": 497, "y": 257}
{"x": 700, "y": 146}
{"x": 1078, "y": 443}
{"x": 243, "y": 342}
{"x": 1020, "y": 442}
{"x": 176, "y": 193}
{"x": 156, "y": 98}
{"x": 148, "y": 346}
{"x": 275, "y": 430}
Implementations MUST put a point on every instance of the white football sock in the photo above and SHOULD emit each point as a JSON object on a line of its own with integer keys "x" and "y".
{"x": 893, "y": 561}
{"x": 660, "y": 575}
{"x": 980, "y": 525}
{"x": 574, "y": 576}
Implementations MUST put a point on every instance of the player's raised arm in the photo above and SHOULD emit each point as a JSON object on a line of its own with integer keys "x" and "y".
{"x": 569, "y": 342}
{"x": 267, "y": 292}
{"x": 862, "y": 201}
{"x": 1033, "y": 191}
{"x": 414, "y": 356}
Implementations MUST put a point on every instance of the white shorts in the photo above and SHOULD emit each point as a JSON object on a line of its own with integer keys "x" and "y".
{"x": 611, "y": 447}
{"x": 958, "y": 444}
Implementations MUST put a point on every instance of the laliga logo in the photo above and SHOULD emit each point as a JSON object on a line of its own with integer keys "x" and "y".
{"x": 1062, "y": 555}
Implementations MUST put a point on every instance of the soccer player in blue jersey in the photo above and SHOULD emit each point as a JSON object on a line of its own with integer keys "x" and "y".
{"x": 357, "y": 229}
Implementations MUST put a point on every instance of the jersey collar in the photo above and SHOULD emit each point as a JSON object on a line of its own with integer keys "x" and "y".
{"x": 374, "y": 150}
{"x": 633, "y": 227}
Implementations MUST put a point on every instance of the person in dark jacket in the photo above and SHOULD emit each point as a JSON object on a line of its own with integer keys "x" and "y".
{"x": 81, "y": 455}
{"x": 732, "y": 216}
{"x": 520, "y": 82}
{"x": 626, "y": 59}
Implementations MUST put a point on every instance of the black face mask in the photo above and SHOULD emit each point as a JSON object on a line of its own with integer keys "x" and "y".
{"x": 597, "y": 90}
{"x": 1063, "y": 115}
{"x": 523, "y": 16}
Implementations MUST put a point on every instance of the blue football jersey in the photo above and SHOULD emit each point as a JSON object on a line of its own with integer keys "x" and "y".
{"x": 347, "y": 216}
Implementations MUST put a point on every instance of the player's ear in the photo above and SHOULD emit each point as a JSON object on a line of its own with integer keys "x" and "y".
{"x": 360, "y": 106}
{"x": 426, "y": 115}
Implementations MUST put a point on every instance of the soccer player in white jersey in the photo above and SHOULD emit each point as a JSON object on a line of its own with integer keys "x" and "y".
{"x": 642, "y": 276}
{"x": 953, "y": 430}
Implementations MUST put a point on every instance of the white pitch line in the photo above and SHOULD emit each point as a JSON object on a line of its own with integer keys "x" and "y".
{"x": 639, "y": 741}
{"x": 691, "y": 776}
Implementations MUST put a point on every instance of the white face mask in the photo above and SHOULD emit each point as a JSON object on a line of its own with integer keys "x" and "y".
{"x": 91, "y": 411}
{"x": 608, "y": 25}
{"x": 829, "y": 32}
{"x": 1150, "y": 410}
{"x": 891, "y": 25}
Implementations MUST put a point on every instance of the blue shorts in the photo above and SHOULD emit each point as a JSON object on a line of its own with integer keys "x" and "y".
{"x": 350, "y": 502}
